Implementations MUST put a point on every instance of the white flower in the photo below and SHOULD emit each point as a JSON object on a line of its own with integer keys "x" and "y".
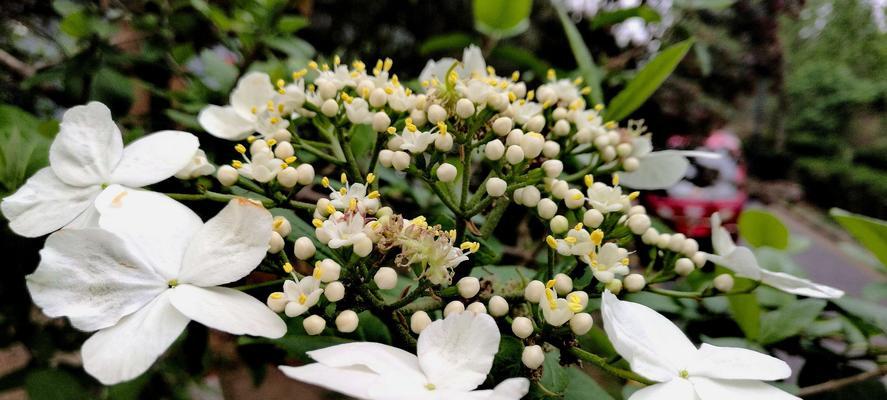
{"x": 741, "y": 261}
{"x": 607, "y": 199}
{"x": 199, "y": 166}
{"x": 521, "y": 111}
{"x": 454, "y": 356}
{"x": 658, "y": 169}
{"x": 556, "y": 311}
{"x": 301, "y": 295}
{"x": 416, "y": 141}
{"x": 610, "y": 261}
{"x": 473, "y": 63}
{"x": 358, "y": 111}
{"x": 262, "y": 167}
{"x": 577, "y": 243}
{"x": 656, "y": 349}
{"x": 151, "y": 268}
{"x": 342, "y": 230}
{"x": 255, "y": 107}
{"x": 354, "y": 197}
{"x": 86, "y": 154}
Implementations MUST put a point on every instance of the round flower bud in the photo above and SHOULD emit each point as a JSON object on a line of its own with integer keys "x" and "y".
{"x": 534, "y": 290}
{"x": 533, "y": 356}
{"x": 614, "y": 286}
{"x": 631, "y": 164}
{"x": 560, "y": 188}
{"x": 623, "y": 149}
{"x": 559, "y": 113}
{"x": 446, "y": 172}
{"x": 334, "y": 291}
{"x": 535, "y": 124}
{"x": 553, "y": 168}
{"x": 496, "y": 187}
{"x": 514, "y": 154}
{"x": 477, "y": 308}
{"x": 464, "y": 108}
{"x": 522, "y": 327}
{"x": 329, "y": 108}
{"x": 574, "y": 199}
{"x": 306, "y": 174}
{"x": 650, "y": 236}
{"x": 608, "y": 153}
{"x": 676, "y": 242}
{"x": 443, "y": 142}
{"x": 635, "y": 210}
{"x": 418, "y": 117}
{"x": 325, "y": 88}
{"x": 634, "y": 282}
{"x": 436, "y": 113}
{"x": 561, "y": 128}
{"x": 698, "y": 259}
{"x": 494, "y": 150}
{"x": 276, "y": 302}
{"x": 663, "y": 240}
{"x": 724, "y": 282}
{"x": 275, "y": 245}
{"x": 691, "y": 246}
{"x": 638, "y": 223}
{"x": 381, "y": 121}
{"x": 551, "y": 149}
{"x": 314, "y": 325}
{"x": 363, "y": 246}
{"x": 498, "y": 101}
{"x": 547, "y": 208}
{"x": 601, "y": 142}
{"x": 532, "y": 144}
{"x": 282, "y": 135}
{"x": 468, "y": 287}
{"x": 378, "y": 98}
{"x": 563, "y": 284}
{"x": 385, "y": 157}
{"x": 304, "y": 248}
{"x": 514, "y": 137}
{"x": 582, "y": 136}
{"x": 385, "y": 278}
{"x": 592, "y": 218}
{"x": 454, "y": 307}
{"x": 327, "y": 270}
{"x": 227, "y": 175}
{"x": 684, "y": 266}
{"x": 581, "y": 323}
{"x": 394, "y": 143}
{"x": 400, "y": 160}
{"x": 347, "y": 321}
{"x": 284, "y": 150}
{"x": 498, "y": 306}
{"x": 281, "y": 225}
{"x": 419, "y": 321}
{"x": 530, "y": 196}
{"x": 288, "y": 177}
{"x": 580, "y": 297}
{"x": 559, "y": 224}
{"x": 502, "y": 125}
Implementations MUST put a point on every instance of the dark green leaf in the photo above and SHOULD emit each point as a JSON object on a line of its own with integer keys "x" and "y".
{"x": 505, "y": 278}
{"x": 54, "y": 384}
{"x": 218, "y": 74}
{"x": 554, "y": 375}
{"x": 871, "y": 232}
{"x": 761, "y": 228}
{"x": 372, "y": 329}
{"x": 445, "y": 42}
{"x": 502, "y": 18}
{"x": 587, "y": 68}
{"x": 607, "y": 18}
{"x": 713, "y": 5}
{"x": 788, "y": 321}
{"x": 297, "y": 345}
{"x": 581, "y": 386}
{"x": 112, "y": 88}
{"x": 302, "y": 228}
{"x": 291, "y": 23}
{"x": 747, "y": 314}
{"x": 872, "y": 313}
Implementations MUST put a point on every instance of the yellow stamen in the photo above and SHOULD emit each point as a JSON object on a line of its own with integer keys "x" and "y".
{"x": 597, "y": 237}
{"x": 615, "y": 179}
{"x": 290, "y": 159}
{"x": 240, "y": 148}
{"x": 302, "y": 298}
{"x": 371, "y": 177}
{"x": 236, "y": 164}
{"x": 552, "y": 242}
{"x": 374, "y": 195}
{"x": 317, "y": 223}
{"x": 287, "y": 267}
{"x": 325, "y": 182}
{"x": 589, "y": 180}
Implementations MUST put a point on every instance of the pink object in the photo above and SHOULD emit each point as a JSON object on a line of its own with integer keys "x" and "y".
{"x": 691, "y": 216}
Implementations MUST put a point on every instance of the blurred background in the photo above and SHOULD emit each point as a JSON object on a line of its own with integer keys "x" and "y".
{"x": 792, "y": 92}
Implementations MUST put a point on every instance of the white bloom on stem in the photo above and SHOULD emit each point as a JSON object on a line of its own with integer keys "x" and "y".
{"x": 454, "y": 356}
{"x": 151, "y": 268}
{"x": 249, "y": 109}
{"x": 301, "y": 295}
{"x": 741, "y": 260}
{"x": 343, "y": 230}
{"x": 473, "y": 63}
{"x": 262, "y": 166}
{"x": 358, "y": 111}
{"x": 577, "y": 243}
{"x": 86, "y": 155}
{"x": 521, "y": 111}
{"x": 607, "y": 199}
{"x": 416, "y": 141}
{"x": 199, "y": 166}
{"x": 656, "y": 349}
{"x": 556, "y": 311}
{"x": 610, "y": 261}
{"x": 355, "y": 195}
{"x": 658, "y": 169}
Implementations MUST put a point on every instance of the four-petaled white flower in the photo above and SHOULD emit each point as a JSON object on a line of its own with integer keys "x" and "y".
{"x": 86, "y": 155}
{"x": 454, "y": 356}
{"x": 656, "y": 349}
{"x": 343, "y": 230}
{"x": 255, "y": 107}
{"x": 301, "y": 295}
{"x": 658, "y": 169}
{"x": 557, "y": 311}
{"x": 416, "y": 141}
{"x": 355, "y": 196}
{"x": 263, "y": 166}
{"x": 607, "y": 199}
{"x": 608, "y": 262}
{"x": 741, "y": 260}
{"x": 577, "y": 243}
{"x": 473, "y": 64}
{"x": 151, "y": 268}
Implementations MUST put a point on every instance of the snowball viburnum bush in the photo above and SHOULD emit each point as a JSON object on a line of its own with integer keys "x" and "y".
{"x": 315, "y": 194}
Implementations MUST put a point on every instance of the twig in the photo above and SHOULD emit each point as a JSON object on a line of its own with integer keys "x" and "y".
{"x": 836, "y": 384}
{"x": 16, "y": 65}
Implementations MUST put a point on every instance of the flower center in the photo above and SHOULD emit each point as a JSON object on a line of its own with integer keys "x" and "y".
{"x": 684, "y": 374}
{"x": 302, "y": 298}
{"x": 430, "y": 386}
{"x": 173, "y": 283}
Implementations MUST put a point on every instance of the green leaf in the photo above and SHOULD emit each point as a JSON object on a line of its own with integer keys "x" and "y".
{"x": 581, "y": 386}
{"x": 554, "y": 375}
{"x": 372, "y": 329}
{"x": 502, "y": 18}
{"x": 871, "y": 313}
{"x": 713, "y": 5}
{"x": 587, "y": 68}
{"x": 76, "y": 24}
{"x": 363, "y": 141}
{"x": 507, "y": 363}
{"x": 747, "y": 314}
{"x": 445, "y": 42}
{"x": 24, "y": 146}
{"x": 185, "y": 119}
{"x": 112, "y": 88}
{"x": 505, "y": 278}
{"x": 608, "y": 18}
{"x": 54, "y": 384}
{"x": 761, "y": 228}
{"x": 219, "y": 75}
{"x": 647, "y": 81}
{"x": 292, "y": 23}
{"x": 870, "y": 232}
{"x": 297, "y": 345}
{"x": 789, "y": 320}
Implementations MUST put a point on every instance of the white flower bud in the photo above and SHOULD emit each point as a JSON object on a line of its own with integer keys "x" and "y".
{"x": 698, "y": 259}
{"x": 419, "y": 321}
{"x": 551, "y": 149}
{"x": 436, "y": 113}
{"x": 532, "y": 144}
{"x": 581, "y": 323}
{"x": 639, "y": 223}
{"x": 522, "y": 327}
{"x": 304, "y": 248}
{"x": 258, "y": 146}
{"x": 574, "y": 198}
{"x": 663, "y": 240}
{"x": 446, "y": 172}
{"x": 288, "y": 177}
{"x": 494, "y": 150}
{"x": 477, "y": 308}
{"x": 518, "y": 196}
{"x": 322, "y": 205}
{"x": 496, "y": 187}
{"x": 443, "y": 142}
{"x": 498, "y": 306}
{"x": 325, "y": 88}
{"x": 623, "y": 149}
{"x": 513, "y": 138}
{"x": 608, "y": 153}
{"x": 381, "y": 121}
{"x": 614, "y": 137}
{"x": 275, "y": 245}
{"x": 330, "y": 108}
{"x": 533, "y": 356}
{"x": 635, "y": 210}
{"x": 559, "y": 113}
{"x": 676, "y": 242}
{"x": 631, "y": 164}
{"x": 561, "y": 128}
{"x": 559, "y": 224}
{"x": 334, "y": 291}
{"x": 559, "y": 189}
{"x": 464, "y": 108}
{"x": 418, "y": 117}
{"x": 468, "y": 287}
{"x": 582, "y": 136}
{"x": 363, "y": 246}
{"x": 401, "y": 160}
{"x": 276, "y": 302}
{"x": 385, "y": 157}
{"x": 327, "y": 270}
{"x": 534, "y": 290}
{"x": 347, "y": 321}
{"x": 454, "y": 307}
{"x": 283, "y": 150}
{"x": 601, "y": 142}
{"x": 553, "y": 168}
{"x": 614, "y": 286}
{"x": 530, "y": 196}
{"x": 634, "y": 282}
{"x": 535, "y": 124}
{"x": 385, "y": 278}
{"x": 691, "y": 246}
{"x": 514, "y": 155}
{"x": 502, "y": 126}
{"x": 282, "y": 135}
{"x": 684, "y": 266}
{"x": 563, "y": 284}
{"x": 650, "y": 236}
{"x": 592, "y": 218}
{"x": 314, "y": 325}
{"x": 724, "y": 282}
{"x": 394, "y": 143}
{"x": 306, "y": 174}
{"x": 498, "y": 101}
{"x": 281, "y": 225}
{"x": 227, "y": 175}
{"x": 547, "y": 208}
{"x": 378, "y": 98}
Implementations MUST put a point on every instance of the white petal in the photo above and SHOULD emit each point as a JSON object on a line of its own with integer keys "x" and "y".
{"x": 156, "y": 228}
{"x": 652, "y": 344}
{"x": 457, "y": 352}
{"x": 253, "y": 90}
{"x": 224, "y": 123}
{"x": 126, "y": 350}
{"x": 90, "y": 277}
{"x": 87, "y": 147}
{"x": 657, "y": 170}
{"x": 154, "y": 158}
{"x": 354, "y": 382}
{"x": 511, "y": 389}
{"x": 376, "y": 357}
{"x": 793, "y": 284}
{"x": 741, "y": 260}
{"x": 735, "y": 363}
{"x": 45, "y": 204}
{"x": 228, "y": 246}
{"x": 675, "y": 389}
{"x": 720, "y": 238}
{"x": 722, "y": 389}
{"x": 227, "y": 310}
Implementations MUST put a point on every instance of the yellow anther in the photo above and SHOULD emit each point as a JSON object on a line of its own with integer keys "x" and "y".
{"x": 546, "y": 104}
{"x": 598, "y": 107}
{"x": 577, "y": 196}
{"x": 512, "y": 97}
{"x": 452, "y": 77}
{"x": 412, "y": 128}
{"x": 575, "y": 306}
{"x": 348, "y": 99}
{"x": 343, "y": 191}
{"x": 280, "y": 106}
{"x": 452, "y": 234}
{"x": 424, "y": 83}
{"x": 325, "y": 67}
{"x": 552, "y": 242}
{"x": 283, "y": 165}
{"x": 379, "y": 65}
{"x": 274, "y": 120}
{"x": 240, "y": 148}
{"x": 343, "y": 178}
{"x": 311, "y": 88}
{"x": 330, "y": 209}
{"x": 551, "y": 74}
{"x": 579, "y": 226}
{"x": 389, "y": 90}
{"x": 352, "y": 204}
{"x": 624, "y": 261}
{"x": 491, "y": 70}
{"x": 515, "y": 76}
{"x": 597, "y": 237}
{"x": 615, "y": 179}
{"x": 472, "y": 247}
{"x": 325, "y": 182}
{"x": 530, "y": 95}
{"x": 442, "y": 128}
{"x": 365, "y": 92}
{"x": 287, "y": 267}
{"x": 388, "y": 64}
{"x": 633, "y": 195}
{"x": 336, "y": 59}
{"x": 576, "y": 104}
{"x": 299, "y": 74}
{"x": 408, "y": 120}
{"x": 374, "y": 195}
{"x": 270, "y": 105}
{"x": 358, "y": 65}
{"x": 250, "y": 139}
{"x": 430, "y": 386}
{"x": 277, "y": 222}
{"x": 271, "y": 142}
{"x": 391, "y": 130}
{"x": 371, "y": 177}
{"x": 589, "y": 180}
{"x": 577, "y": 81}
{"x": 236, "y": 164}
{"x": 586, "y": 90}
{"x": 280, "y": 83}
{"x": 420, "y": 221}
{"x": 610, "y": 124}
{"x": 395, "y": 81}
{"x": 253, "y": 109}
{"x": 290, "y": 159}
{"x": 172, "y": 283}
{"x": 550, "y": 284}
{"x": 276, "y": 295}
{"x": 312, "y": 64}
{"x": 317, "y": 223}
{"x": 318, "y": 272}
{"x": 570, "y": 240}
{"x": 302, "y": 298}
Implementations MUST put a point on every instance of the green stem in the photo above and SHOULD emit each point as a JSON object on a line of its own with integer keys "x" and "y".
{"x": 351, "y": 162}
{"x": 602, "y": 364}
{"x": 244, "y": 288}
{"x": 493, "y": 218}
{"x": 303, "y": 205}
